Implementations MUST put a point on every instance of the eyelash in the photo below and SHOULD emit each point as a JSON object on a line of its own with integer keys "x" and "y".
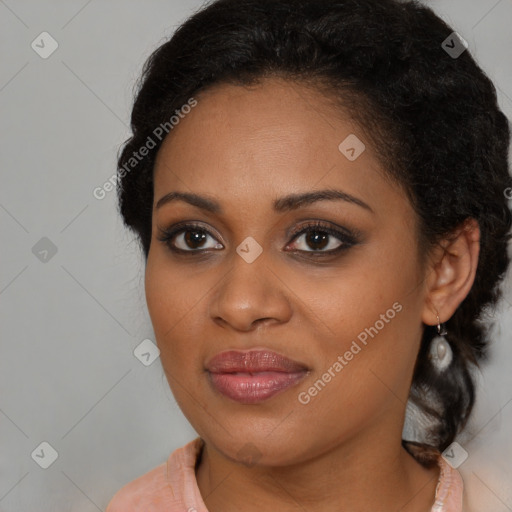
{"x": 346, "y": 238}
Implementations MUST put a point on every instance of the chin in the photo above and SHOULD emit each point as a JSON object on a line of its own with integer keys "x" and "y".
{"x": 253, "y": 447}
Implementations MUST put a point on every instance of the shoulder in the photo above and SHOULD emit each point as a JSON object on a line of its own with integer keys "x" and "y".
{"x": 164, "y": 488}
{"x": 145, "y": 491}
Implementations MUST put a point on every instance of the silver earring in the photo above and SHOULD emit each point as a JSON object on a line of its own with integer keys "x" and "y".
{"x": 441, "y": 353}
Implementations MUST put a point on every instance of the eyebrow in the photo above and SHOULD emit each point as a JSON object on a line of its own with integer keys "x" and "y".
{"x": 283, "y": 204}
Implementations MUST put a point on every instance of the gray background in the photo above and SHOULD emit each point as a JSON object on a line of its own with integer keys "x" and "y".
{"x": 70, "y": 322}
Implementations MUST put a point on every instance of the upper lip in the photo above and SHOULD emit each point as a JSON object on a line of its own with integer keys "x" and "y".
{"x": 261, "y": 360}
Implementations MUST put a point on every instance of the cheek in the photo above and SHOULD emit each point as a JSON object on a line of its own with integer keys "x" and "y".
{"x": 370, "y": 309}
{"x": 174, "y": 305}
{"x": 353, "y": 296}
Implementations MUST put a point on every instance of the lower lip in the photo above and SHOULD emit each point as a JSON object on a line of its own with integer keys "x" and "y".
{"x": 251, "y": 389}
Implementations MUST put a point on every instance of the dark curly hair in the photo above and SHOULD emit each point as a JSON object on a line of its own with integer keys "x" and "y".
{"x": 433, "y": 119}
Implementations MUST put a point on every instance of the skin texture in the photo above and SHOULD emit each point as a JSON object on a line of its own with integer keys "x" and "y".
{"x": 246, "y": 147}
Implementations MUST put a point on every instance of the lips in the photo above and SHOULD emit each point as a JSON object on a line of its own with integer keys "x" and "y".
{"x": 253, "y": 376}
{"x": 252, "y": 361}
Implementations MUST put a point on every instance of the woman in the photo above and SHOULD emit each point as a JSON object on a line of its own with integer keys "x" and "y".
{"x": 319, "y": 190}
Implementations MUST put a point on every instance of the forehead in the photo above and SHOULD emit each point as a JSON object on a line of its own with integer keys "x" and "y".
{"x": 272, "y": 138}
{"x": 237, "y": 123}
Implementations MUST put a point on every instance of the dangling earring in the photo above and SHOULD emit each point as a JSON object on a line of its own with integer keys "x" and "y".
{"x": 441, "y": 353}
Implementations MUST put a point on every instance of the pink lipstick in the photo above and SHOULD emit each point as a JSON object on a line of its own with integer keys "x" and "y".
{"x": 250, "y": 377}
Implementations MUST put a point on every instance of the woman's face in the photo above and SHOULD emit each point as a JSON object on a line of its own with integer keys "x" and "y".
{"x": 343, "y": 300}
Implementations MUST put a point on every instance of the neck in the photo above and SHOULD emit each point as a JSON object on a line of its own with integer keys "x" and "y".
{"x": 362, "y": 474}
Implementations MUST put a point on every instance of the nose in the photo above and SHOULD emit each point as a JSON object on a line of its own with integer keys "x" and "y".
{"x": 250, "y": 294}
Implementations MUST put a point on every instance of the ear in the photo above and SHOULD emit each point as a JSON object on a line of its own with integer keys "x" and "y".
{"x": 451, "y": 272}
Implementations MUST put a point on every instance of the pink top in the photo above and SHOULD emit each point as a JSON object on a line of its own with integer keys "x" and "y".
{"x": 172, "y": 487}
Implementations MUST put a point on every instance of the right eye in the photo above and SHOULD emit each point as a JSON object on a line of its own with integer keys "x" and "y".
{"x": 187, "y": 238}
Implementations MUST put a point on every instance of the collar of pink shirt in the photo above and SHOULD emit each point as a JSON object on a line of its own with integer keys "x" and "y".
{"x": 172, "y": 487}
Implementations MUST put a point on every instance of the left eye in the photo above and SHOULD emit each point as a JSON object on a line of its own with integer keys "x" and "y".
{"x": 319, "y": 240}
